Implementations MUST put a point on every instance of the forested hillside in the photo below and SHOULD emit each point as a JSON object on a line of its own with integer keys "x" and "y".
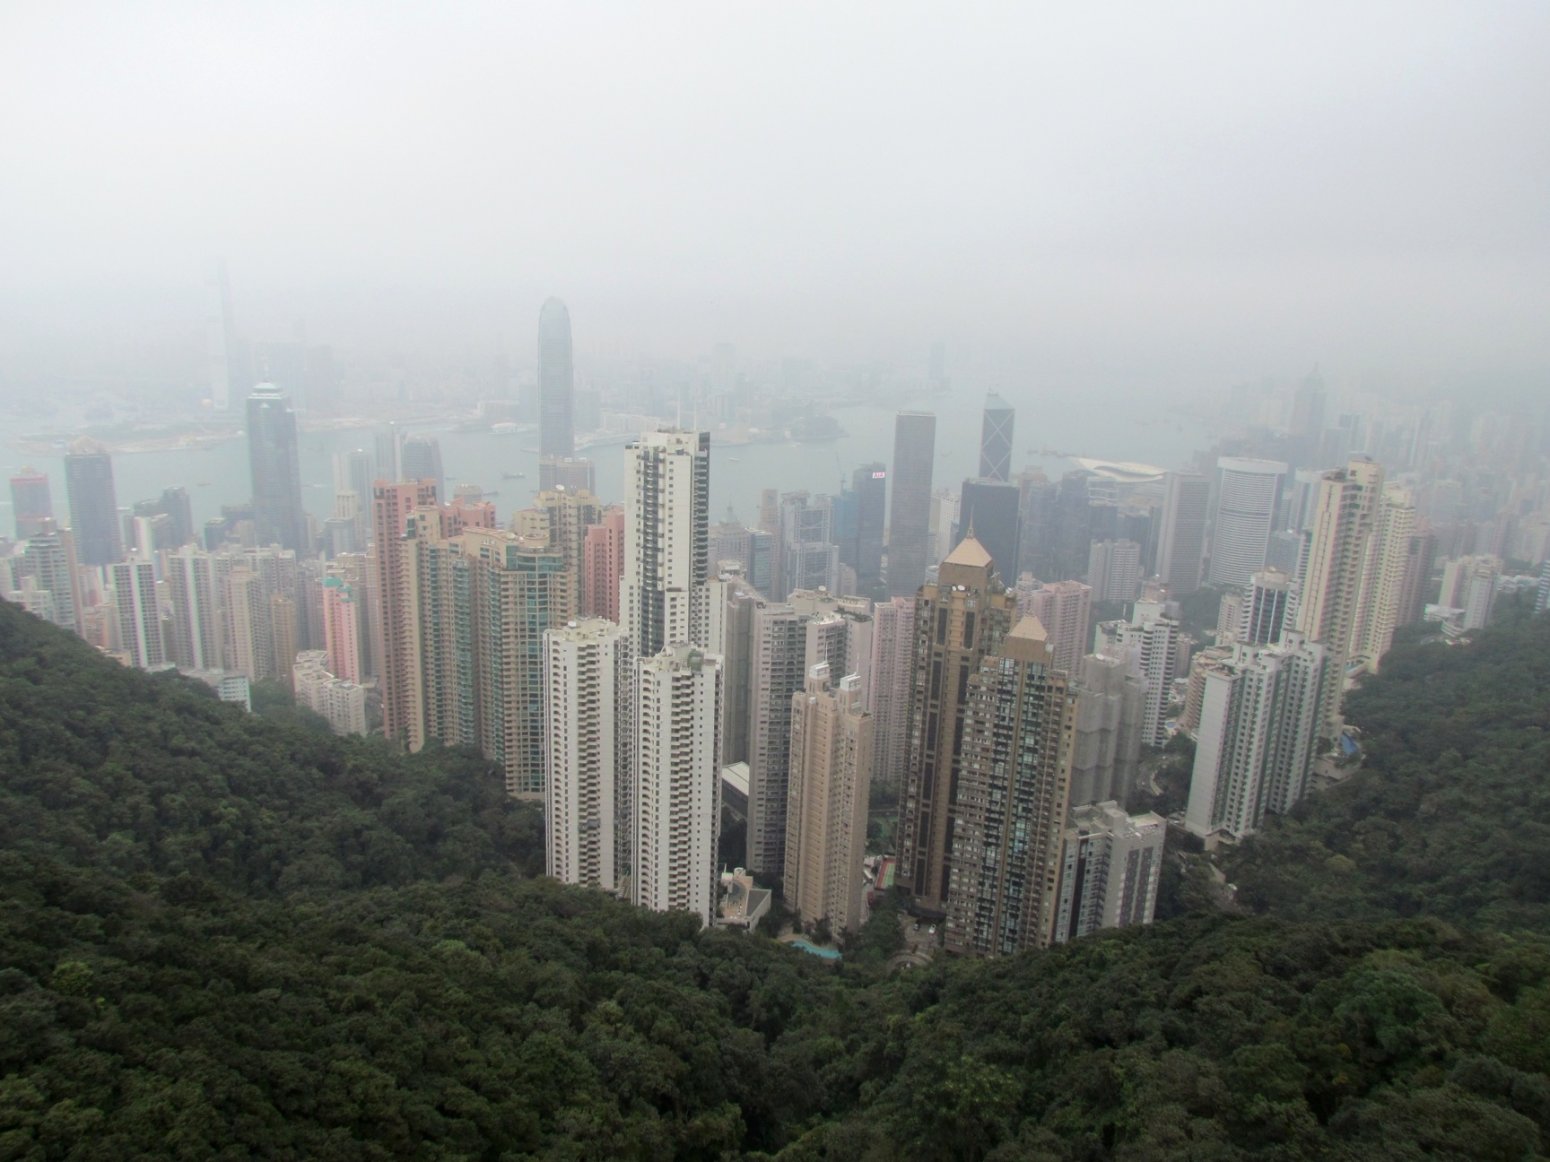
{"x": 226, "y": 937}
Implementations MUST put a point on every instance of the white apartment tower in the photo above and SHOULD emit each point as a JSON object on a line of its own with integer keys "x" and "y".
{"x": 587, "y": 737}
{"x": 663, "y": 596}
{"x": 677, "y": 780}
{"x": 139, "y": 611}
{"x": 1111, "y": 864}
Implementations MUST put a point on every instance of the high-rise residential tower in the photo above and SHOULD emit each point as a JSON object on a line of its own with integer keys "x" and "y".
{"x": 93, "y": 503}
{"x": 831, "y": 770}
{"x": 676, "y": 765}
{"x": 275, "y": 461}
{"x": 31, "y": 505}
{"x": 556, "y": 382}
{"x": 893, "y": 645}
{"x": 996, "y": 448}
{"x": 909, "y": 517}
{"x": 958, "y": 621}
{"x": 663, "y": 598}
{"x": 1064, "y": 609}
{"x": 1245, "y": 513}
{"x": 398, "y": 652}
{"x": 1111, "y": 865}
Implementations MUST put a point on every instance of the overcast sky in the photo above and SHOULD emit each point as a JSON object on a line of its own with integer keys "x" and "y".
{"x": 1190, "y": 192}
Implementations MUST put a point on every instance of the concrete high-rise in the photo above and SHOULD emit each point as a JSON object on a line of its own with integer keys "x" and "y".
{"x": 892, "y": 676}
{"x": 1265, "y": 608}
{"x": 275, "y": 462}
{"x": 1260, "y": 719}
{"x": 93, "y": 503}
{"x": 831, "y": 771}
{"x": 197, "y": 611}
{"x": 1064, "y": 609}
{"x": 602, "y": 565}
{"x": 1384, "y": 583}
{"x": 990, "y": 509}
{"x": 556, "y": 382}
{"x": 909, "y": 517}
{"x": 1149, "y": 643}
{"x": 809, "y": 557}
{"x": 139, "y": 612}
{"x": 1114, "y": 570}
{"x": 663, "y": 598}
{"x": 1247, "y": 495}
{"x": 342, "y": 630}
{"x": 50, "y": 558}
{"x": 958, "y": 621}
{"x": 588, "y": 684}
{"x": 31, "y": 506}
{"x": 1013, "y": 788}
{"x": 398, "y": 652}
{"x": 996, "y": 427}
{"x": 776, "y": 670}
{"x": 1111, "y": 865}
{"x": 1181, "y": 541}
{"x": 1106, "y": 742}
{"x": 676, "y": 765}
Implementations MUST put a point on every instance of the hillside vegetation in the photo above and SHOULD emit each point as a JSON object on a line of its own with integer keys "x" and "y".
{"x": 223, "y": 937}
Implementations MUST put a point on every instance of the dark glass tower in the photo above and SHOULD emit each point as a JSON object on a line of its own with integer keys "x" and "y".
{"x": 93, "y": 504}
{"x": 421, "y": 460}
{"x": 864, "y": 545}
{"x": 909, "y": 521}
{"x": 278, "y": 517}
{"x": 990, "y": 508}
{"x": 996, "y": 442}
{"x": 556, "y": 382}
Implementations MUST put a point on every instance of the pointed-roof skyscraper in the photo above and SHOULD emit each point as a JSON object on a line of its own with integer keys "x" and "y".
{"x": 556, "y": 382}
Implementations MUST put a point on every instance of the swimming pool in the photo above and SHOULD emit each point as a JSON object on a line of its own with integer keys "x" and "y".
{"x": 826, "y": 953}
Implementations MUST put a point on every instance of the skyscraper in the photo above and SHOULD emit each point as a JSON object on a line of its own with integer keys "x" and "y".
{"x": 776, "y": 669}
{"x": 50, "y": 557}
{"x": 1245, "y": 514}
{"x": 602, "y": 565}
{"x": 663, "y": 598}
{"x": 1064, "y": 609}
{"x": 809, "y": 558}
{"x": 587, "y": 736}
{"x": 31, "y": 505}
{"x": 1012, "y": 789}
{"x": 278, "y": 516}
{"x": 1182, "y": 539}
{"x": 864, "y": 553}
{"x": 831, "y": 770}
{"x": 556, "y": 382}
{"x": 139, "y": 612}
{"x": 1111, "y": 865}
{"x": 958, "y": 621}
{"x": 1114, "y": 570}
{"x": 1265, "y": 608}
{"x": 893, "y": 644}
{"x": 196, "y": 609}
{"x": 990, "y": 508}
{"x": 93, "y": 503}
{"x": 996, "y": 448}
{"x": 398, "y": 652}
{"x": 676, "y": 766}
{"x": 909, "y": 518}
{"x": 420, "y": 459}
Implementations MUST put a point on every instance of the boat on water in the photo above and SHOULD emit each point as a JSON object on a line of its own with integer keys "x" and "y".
{"x": 513, "y": 475}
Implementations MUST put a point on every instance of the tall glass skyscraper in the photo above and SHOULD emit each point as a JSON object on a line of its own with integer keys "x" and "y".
{"x": 996, "y": 448}
{"x": 556, "y": 382}
{"x": 93, "y": 503}
{"x": 278, "y": 516}
{"x": 909, "y": 519}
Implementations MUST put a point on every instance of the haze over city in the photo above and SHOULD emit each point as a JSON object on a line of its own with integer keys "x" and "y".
{"x": 1115, "y": 200}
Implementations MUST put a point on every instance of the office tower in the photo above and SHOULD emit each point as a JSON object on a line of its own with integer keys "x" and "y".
{"x": 1181, "y": 541}
{"x": 388, "y": 446}
{"x": 769, "y": 511}
{"x": 139, "y": 612}
{"x": 1247, "y": 495}
{"x": 602, "y": 565}
{"x": 1010, "y": 802}
{"x": 342, "y": 629}
{"x": 1381, "y": 609}
{"x": 1260, "y": 719}
{"x": 943, "y": 529}
{"x": 1111, "y": 864}
{"x": 990, "y": 508}
{"x": 1288, "y": 552}
{"x": 909, "y": 517}
{"x": 221, "y": 339}
{"x": 419, "y": 458}
{"x": 676, "y": 763}
{"x": 93, "y": 503}
{"x": 556, "y": 382}
{"x": 50, "y": 557}
{"x": 278, "y": 516}
{"x": 398, "y": 652}
{"x": 1106, "y": 740}
{"x": 197, "y": 611}
{"x": 959, "y": 619}
{"x": 31, "y": 505}
{"x": 1264, "y": 609}
{"x": 587, "y": 684}
{"x": 892, "y": 667}
{"x": 1038, "y": 501}
{"x": 1149, "y": 641}
{"x": 863, "y": 549}
{"x": 1064, "y": 609}
{"x": 663, "y": 598}
{"x": 776, "y": 670}
{"x": 826, "y": 817}
{"x": 1114, "y": 570}
{"x": 809, "y": 558}
{"x": 1330, "y": 591}
{"x": 342, "y": 703}
{"x": 1308, "y": 407}
{"x": 573, "y": 472}
{"x": 996, "y": 445}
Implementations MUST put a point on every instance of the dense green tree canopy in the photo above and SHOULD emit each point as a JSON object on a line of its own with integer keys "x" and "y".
{"x": 225, "y": 936}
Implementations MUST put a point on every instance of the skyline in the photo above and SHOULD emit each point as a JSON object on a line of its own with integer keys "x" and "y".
{"x": 1169, "y": 201}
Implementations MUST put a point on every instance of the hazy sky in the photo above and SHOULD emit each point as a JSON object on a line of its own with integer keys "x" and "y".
{"x": 1188, "y": 192}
